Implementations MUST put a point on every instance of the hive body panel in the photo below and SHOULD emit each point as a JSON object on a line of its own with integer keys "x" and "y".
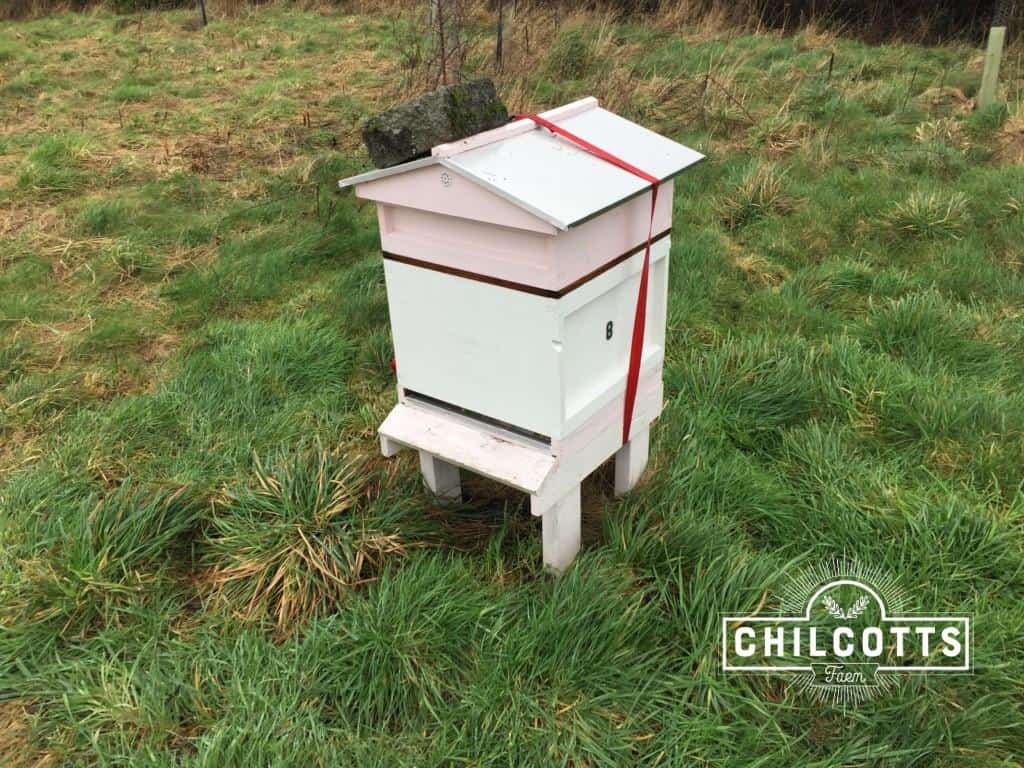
{"x": 538, "y": 363}
{"x": 478, "y": 346}
{"x": 596, "y": 355}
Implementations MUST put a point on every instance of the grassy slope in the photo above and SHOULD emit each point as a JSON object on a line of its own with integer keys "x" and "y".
{"x": 205, "y": 564}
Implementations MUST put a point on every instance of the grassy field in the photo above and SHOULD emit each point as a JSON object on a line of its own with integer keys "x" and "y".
{"x": 205, "y": 563}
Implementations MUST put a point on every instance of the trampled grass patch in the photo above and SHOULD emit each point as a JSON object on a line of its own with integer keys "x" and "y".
{"x": 203, "y": 560}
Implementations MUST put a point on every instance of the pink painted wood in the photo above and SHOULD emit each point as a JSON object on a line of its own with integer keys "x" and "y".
{"x": 442, "y": 191}
{"x": 511, "y": 251}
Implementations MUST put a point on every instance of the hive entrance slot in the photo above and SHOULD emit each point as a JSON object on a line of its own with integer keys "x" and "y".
{"x": 504, "y": 425}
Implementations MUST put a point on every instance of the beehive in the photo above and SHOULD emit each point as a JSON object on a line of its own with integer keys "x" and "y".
{"x": 513, "y": 262}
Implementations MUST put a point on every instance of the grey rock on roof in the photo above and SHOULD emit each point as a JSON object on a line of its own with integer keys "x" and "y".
{"x": 453, "y": 112}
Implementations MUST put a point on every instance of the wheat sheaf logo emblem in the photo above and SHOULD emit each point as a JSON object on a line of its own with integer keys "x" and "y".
{"x": 852, "y": 612}
{"x": 842, "y": 633}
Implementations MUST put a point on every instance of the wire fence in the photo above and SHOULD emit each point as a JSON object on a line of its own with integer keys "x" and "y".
{"x": 925, "y": 21}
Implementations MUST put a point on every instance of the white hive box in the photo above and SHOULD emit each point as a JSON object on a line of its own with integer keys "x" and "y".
{"x": 513, "y": 262}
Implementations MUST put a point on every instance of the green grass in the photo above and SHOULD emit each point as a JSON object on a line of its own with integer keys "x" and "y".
{"x": 205, "y": 563}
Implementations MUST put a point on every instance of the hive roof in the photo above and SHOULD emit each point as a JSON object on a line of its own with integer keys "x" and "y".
{"x": 549, "y": 176}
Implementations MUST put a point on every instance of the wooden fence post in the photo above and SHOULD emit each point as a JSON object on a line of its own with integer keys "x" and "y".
{"x": 990, "y": 76}
{"x": 499, "y": 42}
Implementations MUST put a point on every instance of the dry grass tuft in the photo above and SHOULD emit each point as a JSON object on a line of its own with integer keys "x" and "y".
{"x": 296, "y": 542}
{"x": 945, "y": 130}
{"x": 946, "y": 98}
{"x": 1010, "y": 142}
{"x": 208, "y": 157}
{"x": 17, "y": 750}
{"x": 760, "y": 193}
{"x": 780, "y": 135}
{"x": 930, "y": 215}
{"x": 815, "y": 37}
{"x": 759, "y": 270}
{"x": 160, "y": 347}
{"x": 702, "y": 21}
{"x": 14, "y": 219}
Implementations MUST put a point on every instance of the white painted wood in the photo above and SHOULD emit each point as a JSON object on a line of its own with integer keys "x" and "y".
{"x": 452, "y": 440}
{"x": 594, "y": 367}
{"x": 611, "y": 234}
{"x": 513, "y": 254}
{"x": 441, "y": 477}
{"x": 601, "y": 436}
{"x": 388, "y": 447}
{"x": 482, "y": 347}
{"x": 540, "y": 364}
{"x": 517, "y": 464}
{"x": 628, "y": 270}
{"x": 562, "y": 530}
{"x": 649, "y": 401}
{"x": 383, "y": 173}
{"x": 515, "y": 128}
{"x": 990, "y": 75}
{"x": 631, "y": 460}
{"x": 492, "y": 428}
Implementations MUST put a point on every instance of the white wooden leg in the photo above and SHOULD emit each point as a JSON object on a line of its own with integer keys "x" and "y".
{"x": 561, "y": 531}
{"x": 441, "y": 477}
{"x": 631, "y": 460}
{"x": 389, "y": 447}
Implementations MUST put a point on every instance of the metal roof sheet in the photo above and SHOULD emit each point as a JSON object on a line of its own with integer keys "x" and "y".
{"x": 554, "y": 179}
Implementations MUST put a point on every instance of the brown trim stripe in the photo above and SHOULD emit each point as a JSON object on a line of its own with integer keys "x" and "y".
{"x": 546, "y": 292}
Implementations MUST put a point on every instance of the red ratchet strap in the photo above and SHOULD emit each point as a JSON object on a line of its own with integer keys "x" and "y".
{"x": 639, "y": 319}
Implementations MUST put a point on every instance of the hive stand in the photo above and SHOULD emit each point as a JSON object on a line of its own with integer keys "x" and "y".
{"x": 448, "y": 442}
